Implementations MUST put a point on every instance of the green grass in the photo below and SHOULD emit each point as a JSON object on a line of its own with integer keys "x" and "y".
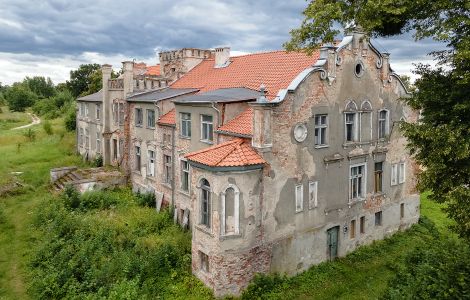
{"x": 9, "y": 119}
{"x": 363, "y": 274}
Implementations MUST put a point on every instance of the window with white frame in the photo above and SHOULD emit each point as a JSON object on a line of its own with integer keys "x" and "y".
{"x": 151, "y": 163}
{"x": 207, "y": 128}
{"x": 205, "y": 202}
{"x": 166, "y": 168}
{"x": 98, "y": 142}
{"x": 357, "y": 182}
{"x": 299, "y": 198}
{"x": 394, "y": 175}
{"x": 350, "y": 123}
{"x": 138, "y": 159}
{"x": 150, "y": 118}
{"x": 185, "y": 175}
{"x": 138, "y": 117}
{"x": 383, "y": 124}
{"x": 401, "y": 172}
{"x": 98, "y": 111}
{"x": 312, "y": 194}
{"x": 185, "y": 124}
{"x": 321, "y": 126}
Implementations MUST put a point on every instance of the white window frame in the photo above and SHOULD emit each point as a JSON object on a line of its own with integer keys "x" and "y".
{"x": 151, "y": 163}
{"x": 355, "y": 127}
{"x": 150, "y": 124}
{"x": 185, "y": 125}
{"x": 236, "y": 212}
{"x": 394, "y": 174}
{"x": 185, "y": 172}
{"x": 209, "y": 129}
{"x": 299, "y": 198}
{"x": 386, "y": 125}
{"x": 401, "y": 172}
{"x": 312, "y": 194}
{"x": 139, "y": 117}
{"x": 319, "y": 129}
{"x": 363, "y": 179}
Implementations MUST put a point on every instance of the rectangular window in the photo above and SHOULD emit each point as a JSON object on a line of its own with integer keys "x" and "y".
{"x": 121, "y": 148}
{"x": 350, "y": 127}
{"x": 362, "y": 225}
{"x": 321, "y": 126}
{"x": 402, "y": 210}
{"x": 357, "y": 183}
{"x": 151, "y": 164}
{"x": 98, "y": 142}
{"x": 378, "y": 218}
{"x": 138, "y": 117}
{"x": 115, "y": 149}
{"x": 378, "y": 176}
{"x": 394, "y": 174}
{"x": 206, "y": 128}
{"x": 204, "y": 258}
{"x": 299, "y": 198}
{"x": 87, "y": 112}
{"x": 352, "y": 230}
{"x": 167, "y": 169}
{"x": 150, "y": 118}
{"x": 185, "y": 124}
{"x": 401, "y": 172}
{"x": 205, "y": 203}
{"x": 121, "y": 113}
{"x": 137, "y": 159}
{"x": 185, "y": 176}
{"x": 98, "y": 111}
{"x": 312, "y": 194}
{"x": 115, "y": 113}
{"x": 87, "y": 138}
{"x": 383, "y": 124}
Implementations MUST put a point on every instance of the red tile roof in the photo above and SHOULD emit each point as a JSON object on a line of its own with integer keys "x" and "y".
{"x": 169, "y": 118}
{"x": 153, "y": 70}
{"x": 241, "y": 124}
{"x": 234, "y": 153}
{"x": 274, "y": 69}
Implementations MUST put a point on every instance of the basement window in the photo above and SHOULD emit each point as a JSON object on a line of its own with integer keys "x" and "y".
{"x": 204, "y": 259}
{"x": 378, "y": 218}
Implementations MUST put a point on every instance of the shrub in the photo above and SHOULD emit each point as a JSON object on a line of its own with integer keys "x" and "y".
{"x": 96, "y": 200}
{"x": 71, "y": 197}
{"x": 146, "y": 199}
{"x": 47, "y": 127}
{"x": 98, "y": 161}
{"x": 262, "y": 285}
{"x": 30, "y": 134}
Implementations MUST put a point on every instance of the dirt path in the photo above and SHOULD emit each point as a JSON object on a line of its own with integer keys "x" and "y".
{"x": 35, "y": 120}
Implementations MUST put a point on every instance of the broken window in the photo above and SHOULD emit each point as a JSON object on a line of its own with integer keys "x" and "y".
{"x": 229, "y": 206}
{"x": 205, "y": 202}
{"x": 362, "y": 225}
{"x": 312, "y": 194}
{"x": 394, "y": 175}
{"x": 204, "y": 258}
{"x": 299, "y": 198}
{"x": 357, "y": 182}
{"x": 206, "y": 128}
{"x": 378, "y": 218}
{"x": 137, "y": 159}
{"x": 378, "y": 177}
{"x": 151, "y": 163}
{"x": 321, "y": 126}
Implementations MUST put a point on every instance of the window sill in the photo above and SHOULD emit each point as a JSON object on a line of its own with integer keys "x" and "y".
{"x": 355, "y": 200}
{"x": 299, "y": 211}
{"x": 135, "y": 172}
{"x": 230, "y": 236}
{"x": 207, "y": 142}
{"x": 151, "y": 128}
{"x": 185, "y": 137}
{"x": 205, "y": 229}
{"x": 151, "y": 178}
{"x": 185, "y": 193}
{"x": 321, "y": 146}
{"x": 167, "y": 185}
{"x": 138, "y": 126}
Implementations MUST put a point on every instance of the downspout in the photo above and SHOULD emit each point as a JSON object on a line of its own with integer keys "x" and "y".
{"x": 173, "y": 170}
{"x": 218, "y": 117}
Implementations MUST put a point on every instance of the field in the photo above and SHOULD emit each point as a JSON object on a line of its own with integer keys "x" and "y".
{"x": 125, "y": 255}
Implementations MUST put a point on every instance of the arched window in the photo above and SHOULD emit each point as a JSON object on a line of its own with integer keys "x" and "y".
{"x": 205, "y": 202}
{"x": 230, "y": 210}
{"x": 351, "y": 106}
{"x": 366, "y": 106}
{"x": 351, "y": 128}
{"x": 366, "y": 121}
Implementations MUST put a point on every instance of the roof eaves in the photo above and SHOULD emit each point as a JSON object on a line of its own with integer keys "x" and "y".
{"x": 226, "y": 168}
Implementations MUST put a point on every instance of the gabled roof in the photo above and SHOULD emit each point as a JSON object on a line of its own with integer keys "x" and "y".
{"x": 274, "y": 69}
{"x": 221, "y": 95}
{"x": 168, "y": 119}
{"x": 158, "y": 94}
{"x": 96, "y": 97}
{"x": 153, "y": 70}
{"x": 240, "y": 125}
{"x": 234, "y": 153}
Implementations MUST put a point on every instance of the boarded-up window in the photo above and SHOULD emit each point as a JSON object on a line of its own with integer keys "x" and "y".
{"x": 230, "y": 210}
{"x": 352, "y": 232}
{"x": 362, "y": 225}
{"x": 299, "y": 198}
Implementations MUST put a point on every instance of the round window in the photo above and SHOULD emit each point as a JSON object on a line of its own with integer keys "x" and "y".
{"x": 300, "y": 132}
{"x": 359, "y": 69}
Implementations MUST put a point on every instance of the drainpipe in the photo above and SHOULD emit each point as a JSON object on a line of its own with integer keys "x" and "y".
{"x": 218, "y": 117}
{"x": 173, "y": 170}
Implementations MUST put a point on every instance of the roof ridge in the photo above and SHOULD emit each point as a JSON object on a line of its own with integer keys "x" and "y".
{"x": 213, "y": 147}
{"x": 261, "y": 52}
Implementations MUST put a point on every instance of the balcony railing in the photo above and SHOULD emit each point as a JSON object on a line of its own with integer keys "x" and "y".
{"x": 116, "y": 84}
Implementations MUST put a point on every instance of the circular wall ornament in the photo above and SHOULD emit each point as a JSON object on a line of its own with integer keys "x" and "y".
{"x": 359, "y": 69}
{"x": 300, "y": 132}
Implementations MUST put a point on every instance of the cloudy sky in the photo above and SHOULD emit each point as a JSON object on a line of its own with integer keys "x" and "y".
{"x": 51, "y": 37}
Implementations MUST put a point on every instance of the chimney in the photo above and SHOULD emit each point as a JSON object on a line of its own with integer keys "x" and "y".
{"x": 262, "y": 122}
{"x": 222, "y": 57}
{"x": 106, "y": 111}
{"x": 128, "y": 76}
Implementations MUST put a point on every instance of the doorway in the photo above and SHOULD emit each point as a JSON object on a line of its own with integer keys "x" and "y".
{"x": 332, "y": 241}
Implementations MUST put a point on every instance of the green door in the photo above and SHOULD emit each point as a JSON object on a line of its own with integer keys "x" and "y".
{"x": 332, "y": 240}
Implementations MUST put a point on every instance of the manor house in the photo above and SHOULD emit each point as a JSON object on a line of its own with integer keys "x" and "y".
{"x": 275, "y": 161}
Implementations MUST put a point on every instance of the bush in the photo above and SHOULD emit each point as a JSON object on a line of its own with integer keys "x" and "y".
{"x": 70, "y": 120}
{"x": 98, "y": 161}
{"x": 96, "y": 200}
{"x": 146, "y": 199}
{"x": 261, "y": 285}
{"x": 30, "y": 134}
{"x": 20, "y": 97}
{"x": 71, "y": 197}
{"x": 47, "y": 127}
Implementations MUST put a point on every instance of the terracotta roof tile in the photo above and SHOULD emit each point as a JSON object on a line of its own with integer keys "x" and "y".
{"x": 169, "y": 118}
{"x": 153, "y": 70}
{"x": 241, "y": 124}
{"x": 234, "y": 153}
{"x": 274, "y": 69}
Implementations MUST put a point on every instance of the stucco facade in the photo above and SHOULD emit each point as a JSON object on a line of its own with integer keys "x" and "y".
{"x": 275, "y": 179}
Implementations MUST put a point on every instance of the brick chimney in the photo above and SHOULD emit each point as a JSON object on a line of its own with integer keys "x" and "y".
{"x": 106, "y": 71}
{"x": 262, "y": 122}
{"x": 222, "y": 57}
